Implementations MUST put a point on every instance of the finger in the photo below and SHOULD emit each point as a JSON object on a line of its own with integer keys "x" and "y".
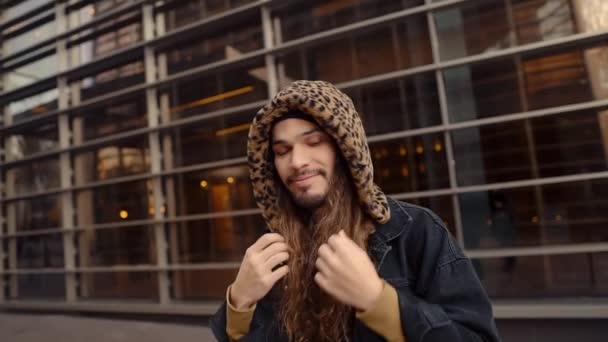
{"x": 276, "y": 260}
{"x": 278, "y": 274}
{"x": 323, "y": 282}
{"x": 273, "y": 249}
{"x": 328, "y": 256}
{"x": 266, "y": 240}
{"x": 335, "y": 242}
{"x": 323, "y": 267}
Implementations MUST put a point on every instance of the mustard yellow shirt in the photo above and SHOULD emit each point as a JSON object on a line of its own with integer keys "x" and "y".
{"x": 383, "y": 317}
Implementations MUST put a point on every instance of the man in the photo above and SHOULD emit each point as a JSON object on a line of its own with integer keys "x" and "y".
{"x": 342, "y": 262}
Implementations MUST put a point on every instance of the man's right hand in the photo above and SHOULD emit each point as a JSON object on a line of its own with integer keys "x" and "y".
{"x": 256, "y": 276}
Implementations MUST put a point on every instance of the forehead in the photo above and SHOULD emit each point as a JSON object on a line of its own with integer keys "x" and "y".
{"x": 290, "y": 129}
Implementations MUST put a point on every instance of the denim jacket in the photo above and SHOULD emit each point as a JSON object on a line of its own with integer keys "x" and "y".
{"x": 440, "y": 296}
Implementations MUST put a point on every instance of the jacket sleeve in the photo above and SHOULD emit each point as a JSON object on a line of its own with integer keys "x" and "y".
{"x": 447, "y": 301}
{"x": 260, "y": 328}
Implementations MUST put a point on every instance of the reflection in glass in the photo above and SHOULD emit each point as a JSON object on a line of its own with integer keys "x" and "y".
{"x": 218, "y": 138}
{"x": 40, "y": 251}
{"x": 33, "y": 177}
{"x": 225, "y": 89}
{"x": 202, "y": 284}
{"x": 407, "y": 103}
{"x": 42, "y": 138}
{"x": 182, "y": 13}
{"x": 541, "y": 147}
{"x": 484, "y": 26}
{"x": 40, "y": 286}
{"x": 361, "y": 54}
{"x": 410, "y": 164}
{"x": 122, "y": 158}
{"x": 30, "y": 73}
{"x": 128, "y": 285}
{"x": 299, "y": 19}
{"x": 111, "y": 118}
{"x": 29, "y": 107}
{"x": 545, "y": 276}
{"x": 117, "y": 246}
{"x": 40, "y": 212}
{"x": 514, "y": 85}
{"x": 230, "y": 43}
{"x": 575, "y": 212}
{"x": 115, "y": 203}
{"x": 216, "y": 240}
{"x": 207, "y": 191}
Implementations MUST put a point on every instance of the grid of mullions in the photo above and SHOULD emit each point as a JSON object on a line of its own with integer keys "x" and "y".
{"x": 162, "y": 270}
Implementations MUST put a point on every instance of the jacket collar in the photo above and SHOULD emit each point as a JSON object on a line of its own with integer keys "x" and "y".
{"x": 378, "y": 246}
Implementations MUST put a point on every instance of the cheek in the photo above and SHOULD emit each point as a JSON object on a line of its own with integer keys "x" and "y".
{"x": 281, "y": 170}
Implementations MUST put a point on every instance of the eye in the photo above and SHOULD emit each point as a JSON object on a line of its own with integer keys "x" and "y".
{"x": 314, "y": 140}
{"x": 280, "y": 150}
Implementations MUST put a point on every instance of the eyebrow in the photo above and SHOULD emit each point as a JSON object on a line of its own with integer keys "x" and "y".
{"x": 309, "y": 132}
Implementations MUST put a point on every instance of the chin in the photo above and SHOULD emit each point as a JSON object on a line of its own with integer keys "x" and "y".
{"x": 310, "y": 201}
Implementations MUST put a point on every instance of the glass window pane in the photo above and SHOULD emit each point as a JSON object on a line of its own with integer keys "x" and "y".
{"x": 531, "y": 82}
{"x": 32, "y": 106}
{"x": 202, "y": 284}
{"x": 410, "y": 164}
{"x": 545, "y": 276}
{"x": 40, "y": 286}
{"x": 110, "y": 118}
{"x": 121, "y": 158}
{"x": 490, "y": 25}
{"x": 40, "y": 251}
{"x": 361, "y": 54}
{"x": 302, "y": 18}
{"x": 182, "y": 13}
{"x": 218, "y": 138}
{"x": 482, "y": 90}
{"x": 229, "y": 43}
{"x": 25, "y": 40}
{"x": 111, "y": 80}
{"x": 403, "y": 104}
{"x": 40, "y": 212}
{"x": 565, "y": 213}
{"x": 30, "y": 73}
{"x": 541, "y": 147}
{"x": 116, "y": 285}
{"x": 116, "y": 246}
{"x": 215, "y": 240}
{"x": 215, "y": 190}
{"x": 224, "y": 89}
{"x": 115, "y": 203}
{"x": 36, "y": 176}
{"x": 39, "y": 139}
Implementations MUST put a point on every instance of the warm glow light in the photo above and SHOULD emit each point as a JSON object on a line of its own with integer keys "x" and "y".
{"x": 405, "y": 171}
{"x": 419, "y": 149}
{"x": 230, "y": 180}
{"x": 124, "y": 214}
{"x": 233, "y": 129}
{"x": 402, "y": 151}
{"x": 421, "y": 168}
{"x": 535, "y": 219}
{"x": 204, "y": 184}
{"x": 438, "y": 147}
{"x": 214, "y": 98}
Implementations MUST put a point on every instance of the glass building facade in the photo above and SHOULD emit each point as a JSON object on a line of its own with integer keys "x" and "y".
{"x": 124, "y": 185}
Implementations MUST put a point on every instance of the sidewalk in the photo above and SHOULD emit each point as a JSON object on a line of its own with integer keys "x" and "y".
{"x": 58, "y": 328}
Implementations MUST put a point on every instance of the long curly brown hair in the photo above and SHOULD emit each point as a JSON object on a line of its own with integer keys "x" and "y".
{"x": 306, "y": 312}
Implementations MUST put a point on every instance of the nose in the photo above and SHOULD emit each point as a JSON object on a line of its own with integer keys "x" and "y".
{"x": 300, "y": 158}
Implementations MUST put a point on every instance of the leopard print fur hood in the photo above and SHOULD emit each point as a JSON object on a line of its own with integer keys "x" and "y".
{"x": 335, "y": 113}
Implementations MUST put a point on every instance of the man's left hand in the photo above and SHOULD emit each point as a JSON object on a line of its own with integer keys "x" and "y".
{"x": 346, "y": 272}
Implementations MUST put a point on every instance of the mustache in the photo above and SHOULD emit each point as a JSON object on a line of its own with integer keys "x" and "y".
{"x": 303, "y": 173}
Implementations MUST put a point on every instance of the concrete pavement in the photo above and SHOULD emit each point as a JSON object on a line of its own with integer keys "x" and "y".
{"x": 59, "y": 328}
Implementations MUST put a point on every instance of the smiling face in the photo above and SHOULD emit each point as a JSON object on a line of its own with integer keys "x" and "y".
{"x": 305, "y": 160}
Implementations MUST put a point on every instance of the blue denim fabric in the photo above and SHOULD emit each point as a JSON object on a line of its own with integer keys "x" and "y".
{"x": 440, "y": 296}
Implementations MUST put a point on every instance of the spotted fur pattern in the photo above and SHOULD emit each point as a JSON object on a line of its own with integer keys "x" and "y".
{"x": 335, "y": 113}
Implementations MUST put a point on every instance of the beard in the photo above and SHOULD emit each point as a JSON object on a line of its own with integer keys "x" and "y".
{"x": 305, "y": 200}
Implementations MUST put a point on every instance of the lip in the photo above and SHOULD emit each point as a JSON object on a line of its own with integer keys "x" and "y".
{"x": 303, "y": 180}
